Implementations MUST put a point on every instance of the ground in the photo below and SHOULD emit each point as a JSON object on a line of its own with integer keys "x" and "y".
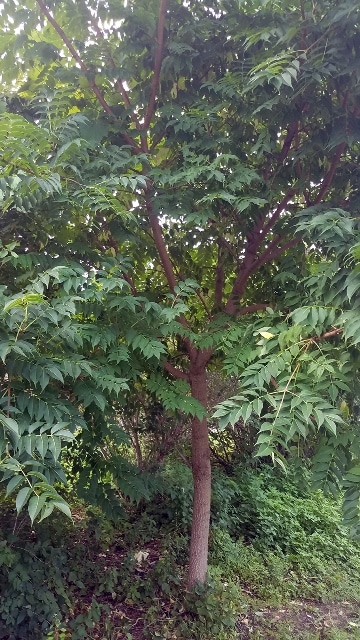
{"x": 299, "y": 619}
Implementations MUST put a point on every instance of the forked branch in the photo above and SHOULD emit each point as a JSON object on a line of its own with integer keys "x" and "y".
{"x": 175, "y": 372}
{"x": 252, "y": 261}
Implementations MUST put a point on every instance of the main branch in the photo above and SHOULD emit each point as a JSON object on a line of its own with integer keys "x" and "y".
{"x": 157, "y": 65}
{"x": 160, "y": 244}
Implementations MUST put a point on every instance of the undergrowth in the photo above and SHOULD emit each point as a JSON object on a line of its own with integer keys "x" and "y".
{"x": 272, "y": 541}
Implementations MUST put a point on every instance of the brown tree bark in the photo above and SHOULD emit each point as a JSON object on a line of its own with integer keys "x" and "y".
{"x": 202, "y": 481}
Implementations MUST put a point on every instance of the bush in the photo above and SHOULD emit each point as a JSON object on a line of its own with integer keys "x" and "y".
{"x": 292, "y": 545}
{"x": 44, "y": 571}
{"x": 32, "y": 590}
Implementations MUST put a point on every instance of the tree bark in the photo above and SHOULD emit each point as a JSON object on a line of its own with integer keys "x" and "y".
{"x": 202, "y": 482}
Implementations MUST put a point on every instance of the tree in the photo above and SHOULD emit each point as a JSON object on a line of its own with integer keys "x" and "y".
{"x": 199, "y": 138}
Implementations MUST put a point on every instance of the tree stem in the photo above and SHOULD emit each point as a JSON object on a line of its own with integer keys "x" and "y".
{"x": 201, "y": 469}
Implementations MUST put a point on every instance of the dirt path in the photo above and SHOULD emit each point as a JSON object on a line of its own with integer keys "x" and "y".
{"x": 304, "y": 619}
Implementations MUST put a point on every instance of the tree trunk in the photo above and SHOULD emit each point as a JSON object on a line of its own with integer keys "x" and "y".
{"x": 202, "y": 483}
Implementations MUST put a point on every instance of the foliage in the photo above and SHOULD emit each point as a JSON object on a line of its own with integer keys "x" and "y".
{"x": 293, "y": 534}
{"x": 299, "y": 374}
{"x": 64, "y": 365}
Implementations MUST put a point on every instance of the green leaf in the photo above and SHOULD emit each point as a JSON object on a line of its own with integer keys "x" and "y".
{"x": 63, "y": 506}
{"x": 46, "y": 511}
{"x": 13, "y": 483}
{"x": 22, "y": 497}
{"x": 5, "y": 348}
{"x": 10, "y": 424}
{"x": 35, "y": 505}
{"x": 23, "y": 301}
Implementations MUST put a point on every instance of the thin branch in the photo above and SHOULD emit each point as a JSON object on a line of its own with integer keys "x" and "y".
{"x": 226, "y": 245}
{"x": 253, "y": 308}
{"x": 123, "y": 91}
{"x": 227, "y": 465}
{"x": 157, "y": 65}
{"x": 130, "y": 282}
{"x": 329, "y": 334}
{"x": 251, "y": 261}
{"x": 158, "y": 138}
{"x": 118, "y": 82}
{"x": 136, "y": 444}
{"x": 278, "y": 211}
{"x": 269, "y": 255}
{"x": 8, "y": 397}
{"x": 85, "y": 70}
{"x": 239, "y": 285}
{"x": 254, "y": 241}
{"x": 76, "y": 57}
{"x": 291, "y": 133}
{"x": 326, "y": 184}
{"x": 165, "y": 261}
{"x": 302, "y": 9}
{"x": 175, "y": 372}
{"x": 204, "y": 304}
{"x": 303, "y": 30}
{"x": 219, "y": 280}
{"x": 249, "y": 266}
{"x": 273, "y": 244}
